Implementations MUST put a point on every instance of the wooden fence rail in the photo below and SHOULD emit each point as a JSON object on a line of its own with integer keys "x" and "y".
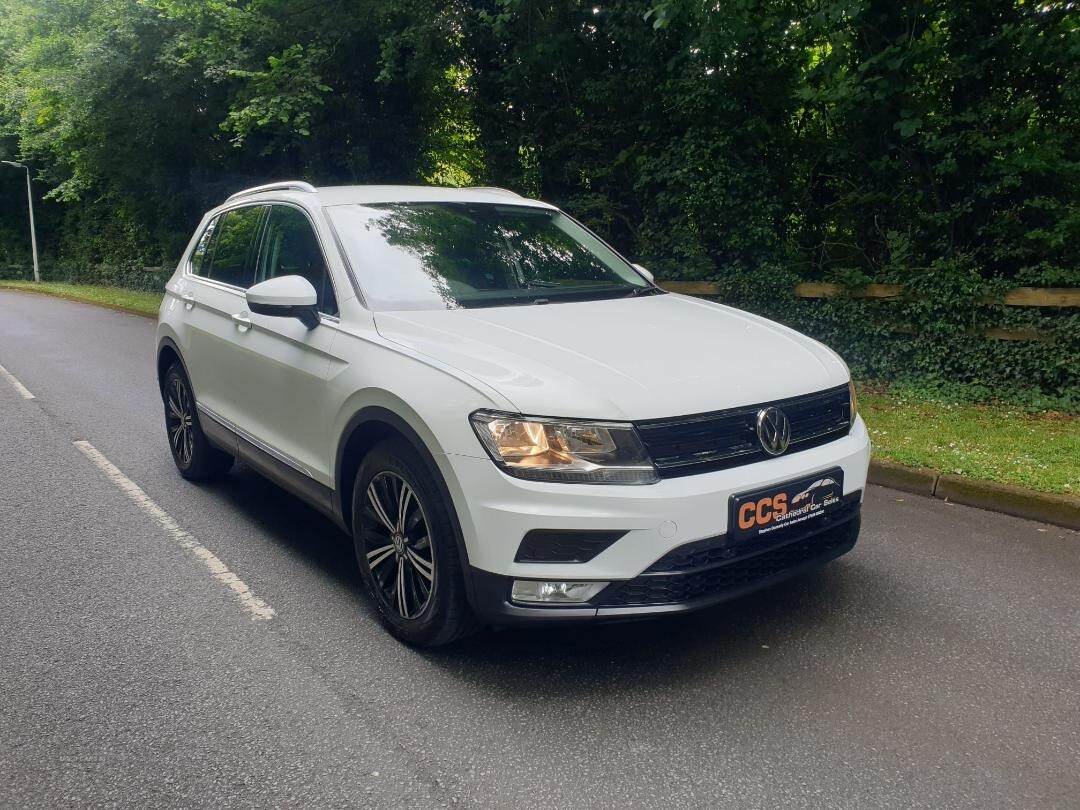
{"x": 1017, "y": 297}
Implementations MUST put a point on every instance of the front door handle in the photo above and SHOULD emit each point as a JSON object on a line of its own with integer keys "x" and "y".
{"x": 242, "y": 321}
{"x": 189, "y": 300}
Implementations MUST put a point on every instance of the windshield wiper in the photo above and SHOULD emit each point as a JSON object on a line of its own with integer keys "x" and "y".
{"x": 644, "y": 291}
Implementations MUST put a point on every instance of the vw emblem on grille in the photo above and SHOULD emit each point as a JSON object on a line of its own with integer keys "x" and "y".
{"x": 773, "y": 430}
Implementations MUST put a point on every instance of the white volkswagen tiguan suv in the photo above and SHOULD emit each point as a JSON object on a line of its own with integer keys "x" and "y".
{"x": 512, "y": 422}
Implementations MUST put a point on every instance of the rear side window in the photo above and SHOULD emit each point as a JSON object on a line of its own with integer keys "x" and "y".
{"x": 234, "y": 246}
{"x": 291, "y": 248}
{"x": 200, "y": 257}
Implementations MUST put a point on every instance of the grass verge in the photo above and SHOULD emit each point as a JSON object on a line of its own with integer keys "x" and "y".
{"x": 134, "y": 301}
{"x": 994, "y": 442}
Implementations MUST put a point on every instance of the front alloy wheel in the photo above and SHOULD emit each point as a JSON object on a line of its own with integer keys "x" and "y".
{"x": 398, "y": 545}
{"x": 404, "y": 534}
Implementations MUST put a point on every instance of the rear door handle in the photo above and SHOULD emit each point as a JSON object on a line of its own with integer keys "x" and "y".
{"x": 242, "y": 321}
{"x": 189, "y": 300}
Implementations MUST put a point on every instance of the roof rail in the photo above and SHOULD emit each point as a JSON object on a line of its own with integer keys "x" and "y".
{"x": 495, "y": 189}
{"x": 284, "y": 185}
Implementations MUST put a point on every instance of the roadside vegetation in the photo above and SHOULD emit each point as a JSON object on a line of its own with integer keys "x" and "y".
{"x": 999, "y": 442}
{"x": 134, "y": 301}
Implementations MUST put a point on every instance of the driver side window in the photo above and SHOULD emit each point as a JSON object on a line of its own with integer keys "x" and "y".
{"x": 290, "y": 248}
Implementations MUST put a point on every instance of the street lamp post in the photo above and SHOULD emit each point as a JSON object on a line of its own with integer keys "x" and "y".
{"x": 30, "y": 204}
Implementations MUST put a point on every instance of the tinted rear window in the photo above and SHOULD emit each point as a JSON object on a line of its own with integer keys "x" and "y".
{"x": 234, "y": 246}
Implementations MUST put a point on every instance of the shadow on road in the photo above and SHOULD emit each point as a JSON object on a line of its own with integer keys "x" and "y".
{"x": 593, "y": 659}
{"x": 290, "y": 523}
{"x": 650, "y": 654}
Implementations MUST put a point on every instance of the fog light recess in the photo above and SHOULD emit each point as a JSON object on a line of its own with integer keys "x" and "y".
{"x": 554, "y": 592}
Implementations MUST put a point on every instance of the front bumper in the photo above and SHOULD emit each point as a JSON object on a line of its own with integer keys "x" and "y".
{"x": 694, "y": 576}
{"x": 497, "y": 511}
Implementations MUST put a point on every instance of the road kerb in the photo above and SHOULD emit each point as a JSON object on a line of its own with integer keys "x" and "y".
{"x": 919, "y": 480}
{"x": 1046, "y": 507}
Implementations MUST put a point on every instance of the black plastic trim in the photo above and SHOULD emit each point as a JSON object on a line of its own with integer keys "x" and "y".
{"x": 168, "y": 341}
{"x": 491, "y": 602}
{"x": 308, "y": 316}
{"x": 300, "y": 485}
{"x": 218, "y": 434}
{"x": 564, "y": 545}
{"x": 710, "y": 552}
{"x": 656, "y": 589}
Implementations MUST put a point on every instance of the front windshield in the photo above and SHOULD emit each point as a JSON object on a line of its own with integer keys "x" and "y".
{"x": 449, "y": 255}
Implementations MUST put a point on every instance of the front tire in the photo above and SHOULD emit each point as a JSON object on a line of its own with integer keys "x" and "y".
{"x": 403, "y": 534}
{"x": 194, "y": 456}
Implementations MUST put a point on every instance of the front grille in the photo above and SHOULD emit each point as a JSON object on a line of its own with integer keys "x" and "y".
{"x": 688, "y": 445}
{"x": 681, "y": 588}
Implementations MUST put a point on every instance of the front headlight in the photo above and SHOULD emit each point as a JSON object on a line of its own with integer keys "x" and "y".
{"x": 854, "y": 401}
{"x": 564, "y": 451}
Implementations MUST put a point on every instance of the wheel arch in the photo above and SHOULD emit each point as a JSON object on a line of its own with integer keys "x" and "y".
{"x": 363, "y": 430}
{"x": 168, "y": 353}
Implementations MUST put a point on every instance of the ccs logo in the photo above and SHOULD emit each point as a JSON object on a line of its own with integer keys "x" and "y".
{"x": 763, "y": 511}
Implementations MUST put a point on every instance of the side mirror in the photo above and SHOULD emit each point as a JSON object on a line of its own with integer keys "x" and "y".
{"x": 285, "y": 297}
{"x": 645, "y": 273}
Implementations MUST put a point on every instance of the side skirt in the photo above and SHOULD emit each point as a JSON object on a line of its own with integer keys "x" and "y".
{"x": 269, "y": 466}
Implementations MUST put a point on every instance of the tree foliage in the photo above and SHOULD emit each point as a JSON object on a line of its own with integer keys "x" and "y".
{"x": 933, "y": 143}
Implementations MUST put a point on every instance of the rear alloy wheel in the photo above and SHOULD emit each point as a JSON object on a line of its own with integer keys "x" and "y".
{"x": 180, "y": 422}
{"x": 405, "y": 538}
{"x": 195, "y": 457}
{"x": 398, "y": 545}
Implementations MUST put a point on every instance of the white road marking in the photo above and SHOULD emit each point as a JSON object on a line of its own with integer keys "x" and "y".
{"x": 218, "y": 570}
{"x": 24, "y": 392}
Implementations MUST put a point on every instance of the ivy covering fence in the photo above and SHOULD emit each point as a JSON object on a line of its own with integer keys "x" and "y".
{"x": 755, "y": 145}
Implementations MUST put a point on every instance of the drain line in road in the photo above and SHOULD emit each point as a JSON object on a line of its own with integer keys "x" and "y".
{"x": 218, "y": 570}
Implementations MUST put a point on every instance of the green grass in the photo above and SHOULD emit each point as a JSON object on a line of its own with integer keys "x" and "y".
{"x": 993, "y": 442}
{"x": 139, "y": 303}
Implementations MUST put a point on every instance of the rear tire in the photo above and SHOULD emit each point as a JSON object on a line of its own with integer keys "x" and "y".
{"x": 194, "y": 456}
{"x": 406, "y": 547}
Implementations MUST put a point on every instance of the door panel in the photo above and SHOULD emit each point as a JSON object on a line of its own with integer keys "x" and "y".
{"x": 222, "y": 264}
{"x": 280, "y": 378}
{"x": 282, "y": 383}
{"x": 214, "y": 359}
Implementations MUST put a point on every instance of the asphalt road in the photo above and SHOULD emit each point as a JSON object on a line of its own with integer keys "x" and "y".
{"x": 937, "y": 665}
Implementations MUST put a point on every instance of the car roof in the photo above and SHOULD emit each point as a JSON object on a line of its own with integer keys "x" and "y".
{"x": 361, "y": 195}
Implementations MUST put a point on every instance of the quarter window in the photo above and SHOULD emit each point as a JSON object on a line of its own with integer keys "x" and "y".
{"x": 291, "y": 248}
{"x": 235, "y": 245}
{"x": 200, "y": 261}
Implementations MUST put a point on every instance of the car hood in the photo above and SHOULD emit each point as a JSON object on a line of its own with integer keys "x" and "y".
{"x": 626, "y": 358}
